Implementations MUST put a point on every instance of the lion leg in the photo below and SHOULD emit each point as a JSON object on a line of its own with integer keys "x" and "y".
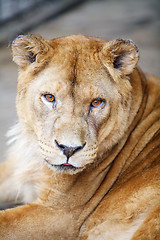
{"x": 14, "y": 188}
{"x": 8, "y": 185}
{"x": 37, "y": 222}
{"x": 150, "y": 228}
{"x": 29, "y": 221}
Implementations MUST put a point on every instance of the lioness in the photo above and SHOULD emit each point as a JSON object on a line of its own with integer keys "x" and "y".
{"x": 85, "y": 153}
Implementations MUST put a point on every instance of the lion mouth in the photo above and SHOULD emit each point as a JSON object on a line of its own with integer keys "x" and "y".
{"x": 67, "y": 164}
{"x": 62, "y": 167}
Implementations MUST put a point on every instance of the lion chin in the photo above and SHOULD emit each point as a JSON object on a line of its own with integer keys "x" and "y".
{"x": 84, "y": 156}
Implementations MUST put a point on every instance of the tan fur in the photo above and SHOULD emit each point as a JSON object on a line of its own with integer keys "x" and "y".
{"x": 111, "y": 189}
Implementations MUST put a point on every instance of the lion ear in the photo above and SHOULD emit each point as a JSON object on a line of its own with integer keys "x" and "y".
{"x": 28, "y": 49}
{"x": 120, "y": 55}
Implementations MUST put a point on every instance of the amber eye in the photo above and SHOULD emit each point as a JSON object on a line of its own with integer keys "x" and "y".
{"x": 49, "y": 97}
{"x": 96, "y": 103}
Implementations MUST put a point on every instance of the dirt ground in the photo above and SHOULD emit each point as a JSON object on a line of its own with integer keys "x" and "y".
{"x": 138, "y": 20}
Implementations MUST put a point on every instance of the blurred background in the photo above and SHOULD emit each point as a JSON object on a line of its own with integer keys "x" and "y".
{"x": 138, "y": 20}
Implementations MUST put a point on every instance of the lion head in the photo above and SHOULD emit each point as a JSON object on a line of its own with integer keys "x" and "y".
{"x": 74, "y": 97}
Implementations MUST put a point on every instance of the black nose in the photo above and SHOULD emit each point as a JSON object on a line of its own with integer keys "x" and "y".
{"x": 69, "y": 151}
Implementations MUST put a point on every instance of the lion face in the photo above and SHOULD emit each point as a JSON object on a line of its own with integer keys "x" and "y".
{"x": 74, "y": 97}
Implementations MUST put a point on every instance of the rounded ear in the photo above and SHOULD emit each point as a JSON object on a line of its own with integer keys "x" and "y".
{"x": 30, "y": 48}
{"x": 120, "y": 55}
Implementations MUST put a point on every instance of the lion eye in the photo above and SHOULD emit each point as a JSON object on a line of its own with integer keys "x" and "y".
{"x": 49, "y": 97}
{"x": 96, "y": 103}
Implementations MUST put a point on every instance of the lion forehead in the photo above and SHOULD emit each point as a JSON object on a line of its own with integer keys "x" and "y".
{"x": 82, "y": 72}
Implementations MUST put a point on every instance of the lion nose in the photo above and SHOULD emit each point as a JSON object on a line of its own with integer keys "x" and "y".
{"x": 69, "y": 151}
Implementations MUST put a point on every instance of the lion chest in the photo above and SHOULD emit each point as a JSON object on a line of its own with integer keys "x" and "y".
{"x": 113, "y": 231}
{"x": 121, "y": 213}
{"x": 107, "y": 223}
